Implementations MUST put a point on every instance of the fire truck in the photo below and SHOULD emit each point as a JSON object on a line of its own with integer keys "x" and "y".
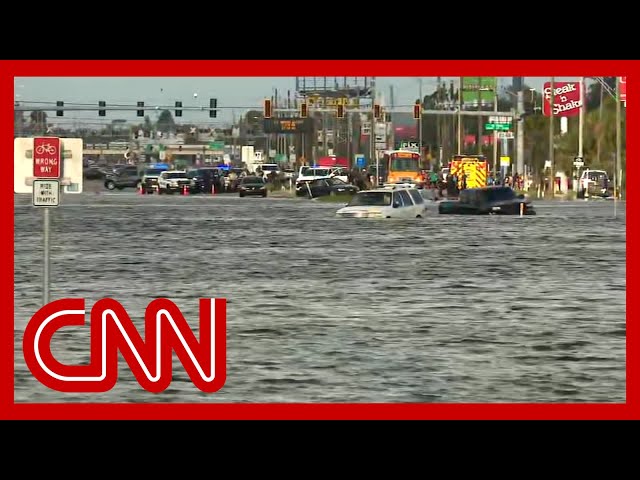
{"x": 474, "y": 167}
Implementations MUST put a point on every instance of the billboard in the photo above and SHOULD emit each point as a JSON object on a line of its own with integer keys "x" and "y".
{"x": 566, "y": 99}
{"x": 288, "y": 125}
{"x": 478, "y": 88}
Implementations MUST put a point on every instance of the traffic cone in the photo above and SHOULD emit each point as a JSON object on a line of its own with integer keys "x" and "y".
{"x": 140, "y": 190}
{"x": 184, "y": 190}
{"x": 158, "y": 189}
{"x": 213, "y": 189}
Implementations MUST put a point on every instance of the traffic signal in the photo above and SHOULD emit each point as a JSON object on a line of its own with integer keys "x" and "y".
{"x": 340, "y": 113}
{"x": 304, "y": 110}
{"x": 140, "y": 112}
{"x": 59, "y": 113}
{"x": 101, "y": 111}
{"x": 178, "y": 112}
{"x": 417, "y": 110}
{"x": 213, "y": 104}
{"x": 376, "y": 110}
{"x": 267, "y": 108}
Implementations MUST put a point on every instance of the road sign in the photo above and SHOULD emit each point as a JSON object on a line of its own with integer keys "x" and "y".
{"x": 505, "y": 135}
{"x": 505, "y": 161}
{"x": 500, "y": 119}
{"x": 360, "y": 160}
{"x": 46, "y": 157}
{"x": 46, "y": 193}
{"x": 70, "y": 171}
{"x": 578, "y": 162}
{"x": 497, "y": 126}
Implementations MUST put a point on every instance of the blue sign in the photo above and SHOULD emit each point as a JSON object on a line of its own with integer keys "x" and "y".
{"x": 360, "y": 161}
{"x": 159, "y": 166}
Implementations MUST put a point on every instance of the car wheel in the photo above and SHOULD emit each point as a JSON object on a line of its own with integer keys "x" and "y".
{"x": 110, "y": 185}
{"x": 418, "y": 216}
{"x": 241, "y": 195}
{"x": 264, "y": 195}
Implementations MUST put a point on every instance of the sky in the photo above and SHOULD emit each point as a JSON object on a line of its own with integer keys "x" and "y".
{"x": 237, "y": 94}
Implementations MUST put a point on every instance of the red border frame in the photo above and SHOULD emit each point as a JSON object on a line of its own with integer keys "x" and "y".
{"x": 291, "y": 68}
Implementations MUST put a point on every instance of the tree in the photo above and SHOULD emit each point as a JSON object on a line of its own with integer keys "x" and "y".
{"x": 38, "y": 121}
{"x": 165, "y": 122}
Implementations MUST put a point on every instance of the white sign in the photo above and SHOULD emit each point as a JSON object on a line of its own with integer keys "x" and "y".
{"x": 578, "y": 162}
{"x": 46, "y": 193}
{"x": 500, "y": 119}
{"x": 505, "y": 161}
{"x": 71, "y": 176}
{"x": 505, "y": 135}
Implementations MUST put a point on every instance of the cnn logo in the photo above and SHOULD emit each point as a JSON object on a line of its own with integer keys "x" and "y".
{"x": 112, "y": 331}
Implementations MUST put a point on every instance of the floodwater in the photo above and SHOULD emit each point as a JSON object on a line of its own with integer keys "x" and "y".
{"x": 324, "y": 309}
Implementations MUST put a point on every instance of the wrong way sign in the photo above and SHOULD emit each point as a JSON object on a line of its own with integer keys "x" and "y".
{"x": 46, "y": 157}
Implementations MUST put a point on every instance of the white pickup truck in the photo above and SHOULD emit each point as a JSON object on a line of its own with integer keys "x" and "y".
{"x": 307, "y": 174}
{"x": 171, "y": 181}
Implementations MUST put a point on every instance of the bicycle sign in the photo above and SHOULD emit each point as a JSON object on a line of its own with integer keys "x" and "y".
{"x": 46, "y": 157}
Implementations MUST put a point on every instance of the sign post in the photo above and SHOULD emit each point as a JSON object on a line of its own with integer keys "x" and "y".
{"x": 46, "y": 193}
{"x": 44, "y": 166}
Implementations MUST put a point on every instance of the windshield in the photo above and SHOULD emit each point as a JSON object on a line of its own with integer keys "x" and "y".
{"x": 153, "y": 172}
{"x": 499, "y": 194}
{"x": 317, "y": 172}
{"x": 336, "y": 181}
{"x": 252, "y": 180}
{"x": 380, "y": 199}
{"x": 406, "y": 164}
{"x": 176, "y": 175}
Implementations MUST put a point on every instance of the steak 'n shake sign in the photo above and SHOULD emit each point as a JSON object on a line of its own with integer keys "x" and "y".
{"x": 566, "y": 99}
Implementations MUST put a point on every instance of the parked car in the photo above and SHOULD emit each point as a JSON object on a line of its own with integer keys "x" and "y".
{"x": 150, "y": 179}
{"x": 93, "y": 173}
{"x": 385, "y": 203}
{"x": 252, "y": 186}
{"x": 171, "y": 181}
{"x": 487, "y": 201}
{"x": 123, "y": 178}
{"x": 324, "y": 186}
{"x": 207, "y": 178}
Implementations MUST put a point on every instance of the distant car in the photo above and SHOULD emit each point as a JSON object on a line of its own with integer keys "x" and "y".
{"x": 324, "y": 186}
{"x": 150, "y": 179}
{"x": 171, "y": 181}
{"x": 206, "y": 179}
{"x": 252, "y": 186}
{"x": 487, "y": 201}
{"x": 92, "y": 173}
{"x": 123, "y": 178}
{"x": 385, "y": 203}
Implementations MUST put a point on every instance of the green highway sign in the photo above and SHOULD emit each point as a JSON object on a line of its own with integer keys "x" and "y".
{"x": 497, "y": 126}
{"x": 216, "y": 145}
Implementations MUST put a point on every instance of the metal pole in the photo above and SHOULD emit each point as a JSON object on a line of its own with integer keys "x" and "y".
{"x": 479, "y": 139}
{"x": 372, "y": 137}
{"x": 46, "y": 272}
{"x": 495, "y": 132}
{"x": 420, "y": 120}
{"x": 618, "y": 172}
{"x": 520, "y": 133}
{"x": 552, "y": 179}
{"x": 460, "y": 118}
{"x": 580, "y": 131}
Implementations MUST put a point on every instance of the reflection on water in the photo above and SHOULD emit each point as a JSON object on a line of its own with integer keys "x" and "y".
{"x": 322, "y": 309}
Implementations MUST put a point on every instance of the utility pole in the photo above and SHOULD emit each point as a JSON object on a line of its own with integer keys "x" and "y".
{"x": 439, "y": 122}
{"x": 552, "y": 177}
{"x": 495, "y": 132}
{"x": 420, "y": 121}
{"x": 372, "y": 138}
{"x": 460, "y": 118}
{"x": 520, "y": 132}
{"x": 599, "y": 139}
{"x": 617, "y": 175}
{"x": 580, "y": 130}
{"x": 479, "y": 140}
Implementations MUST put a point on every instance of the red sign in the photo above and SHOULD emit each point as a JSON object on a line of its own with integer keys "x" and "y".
{"x": 566, "y": 99}
{"x": 623, "y": 89}
{"x": 46, "y": 157}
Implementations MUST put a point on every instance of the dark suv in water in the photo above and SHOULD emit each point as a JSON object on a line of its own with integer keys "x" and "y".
{"x": 125, "y": 177}
{"x": 205, "y": 178}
